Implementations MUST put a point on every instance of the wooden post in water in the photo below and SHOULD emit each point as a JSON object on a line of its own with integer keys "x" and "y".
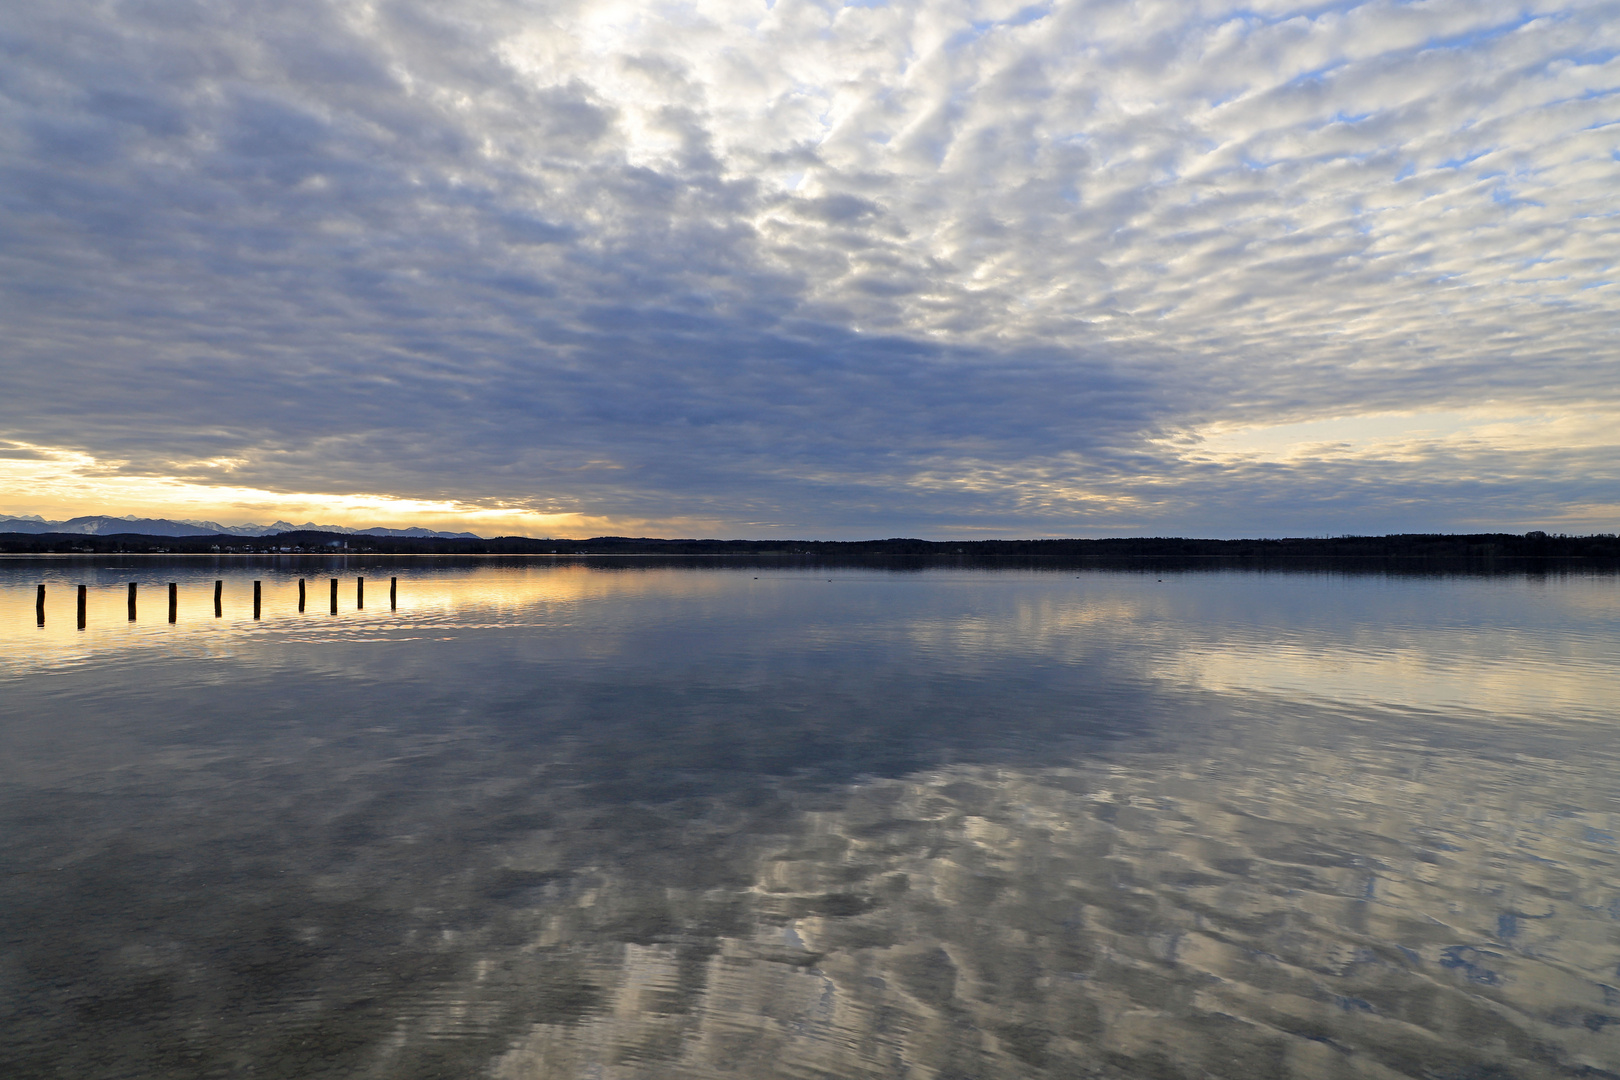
{"x": 81, "y": 607}
{"x": 393, "y": 593}
{"x": 174, "y": 601}
{"x": 219, "y": 587}
{"x": 132, "y": 601}
{"x": 39, "y": 604}
{"x": 334, "y": 596}
{"x": 255, "y": 599}
{"x": 360, "y": 593}
{"x": 300, "y": 596}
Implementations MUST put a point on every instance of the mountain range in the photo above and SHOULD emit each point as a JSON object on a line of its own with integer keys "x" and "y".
{"x": 102, "y": 525}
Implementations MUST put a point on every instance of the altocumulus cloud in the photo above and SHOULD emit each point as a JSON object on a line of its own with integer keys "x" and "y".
{"x": 938, "y": 268}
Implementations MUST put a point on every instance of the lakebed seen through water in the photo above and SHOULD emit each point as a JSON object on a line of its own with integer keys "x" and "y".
{"x": 593, "y": 818}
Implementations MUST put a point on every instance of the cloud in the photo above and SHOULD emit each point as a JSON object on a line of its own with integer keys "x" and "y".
{"x": 915, "y": 267}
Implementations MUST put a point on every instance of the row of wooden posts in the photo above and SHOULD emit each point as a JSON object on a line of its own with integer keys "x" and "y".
{"x": 219, "y": 593}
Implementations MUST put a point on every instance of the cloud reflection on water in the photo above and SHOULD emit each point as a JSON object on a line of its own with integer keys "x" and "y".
{"x": 557, "y": 820}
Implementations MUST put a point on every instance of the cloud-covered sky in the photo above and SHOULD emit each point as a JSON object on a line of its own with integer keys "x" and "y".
{"x": 943, "y": 268}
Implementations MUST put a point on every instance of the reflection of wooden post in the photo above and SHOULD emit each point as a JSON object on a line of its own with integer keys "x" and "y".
{"x": 393, "y": 593}
{"x": 81, "y": 607}
{"x": 39, "y": 604}
{"x": 334, "y": 596}
{"x": 255, "y": 599}
{"x": 219, "y": 588}
{"x": 300, "y": 595}
{"x": 132, "y": 601}
{"x": 360, "y": 593}
{"x": 174, "y": 601}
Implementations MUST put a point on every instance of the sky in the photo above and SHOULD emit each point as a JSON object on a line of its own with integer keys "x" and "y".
{"x": 947, "y": 269}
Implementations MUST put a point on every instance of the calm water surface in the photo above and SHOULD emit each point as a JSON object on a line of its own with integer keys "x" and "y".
{"x": 621, "y": 820}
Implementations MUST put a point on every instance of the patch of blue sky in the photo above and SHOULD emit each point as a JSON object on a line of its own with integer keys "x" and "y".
{"x": 1260, "y": 19}
{"x": 974, "y": 32}
{"x": 1470, "y": 39}
{"x": 1459, "y": 162}
{"x": 861, "y": 3}
{"x": 1315, "y": 75}
{"x": 978, "y": 29}
{"x": 1027, "y": 15}
{"x": 1502, "y": 196}
{"x": 1592, "y": 58}
{"x": 1407, "y": 170}
{"x": 1592, "y": 94}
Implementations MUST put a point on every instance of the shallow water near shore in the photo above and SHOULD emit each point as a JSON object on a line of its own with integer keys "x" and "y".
{"x": 623, "y": 819}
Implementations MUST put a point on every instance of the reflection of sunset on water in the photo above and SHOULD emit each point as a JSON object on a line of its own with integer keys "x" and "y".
{"x": 1184, "y": 633}
{"x": 429, "y": 597}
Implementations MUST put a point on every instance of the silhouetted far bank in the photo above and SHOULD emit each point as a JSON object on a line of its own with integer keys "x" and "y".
{"x": 1411, "y": 548}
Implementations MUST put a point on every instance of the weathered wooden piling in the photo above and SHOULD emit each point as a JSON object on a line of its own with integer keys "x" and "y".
{"x": 132, "y": 601}
{"x": 174, "y": 601}
{"x": 300, "y": 596}
{"x": 81, "y": 606}
{"x": 360, "y": 593}
{"x": 393, "y": 593}
{"x": 219, "y": 609}
{"x": 334, "y": 596}
{"x": 39, "y": 604}
{"x": 255, "y": 599}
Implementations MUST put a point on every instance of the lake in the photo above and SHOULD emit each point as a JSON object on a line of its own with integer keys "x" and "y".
{"x": 634, "y": 819}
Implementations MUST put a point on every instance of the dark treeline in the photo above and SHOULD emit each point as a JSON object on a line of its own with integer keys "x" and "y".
{"x": 1405, "y": 548}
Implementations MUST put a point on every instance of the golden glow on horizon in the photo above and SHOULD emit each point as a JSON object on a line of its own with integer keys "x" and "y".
{"x": 1403, "y": 435}
{"x": 60, "y": 484}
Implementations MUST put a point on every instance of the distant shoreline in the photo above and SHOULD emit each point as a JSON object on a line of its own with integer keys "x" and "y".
{"x": 1401, "y": 548}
